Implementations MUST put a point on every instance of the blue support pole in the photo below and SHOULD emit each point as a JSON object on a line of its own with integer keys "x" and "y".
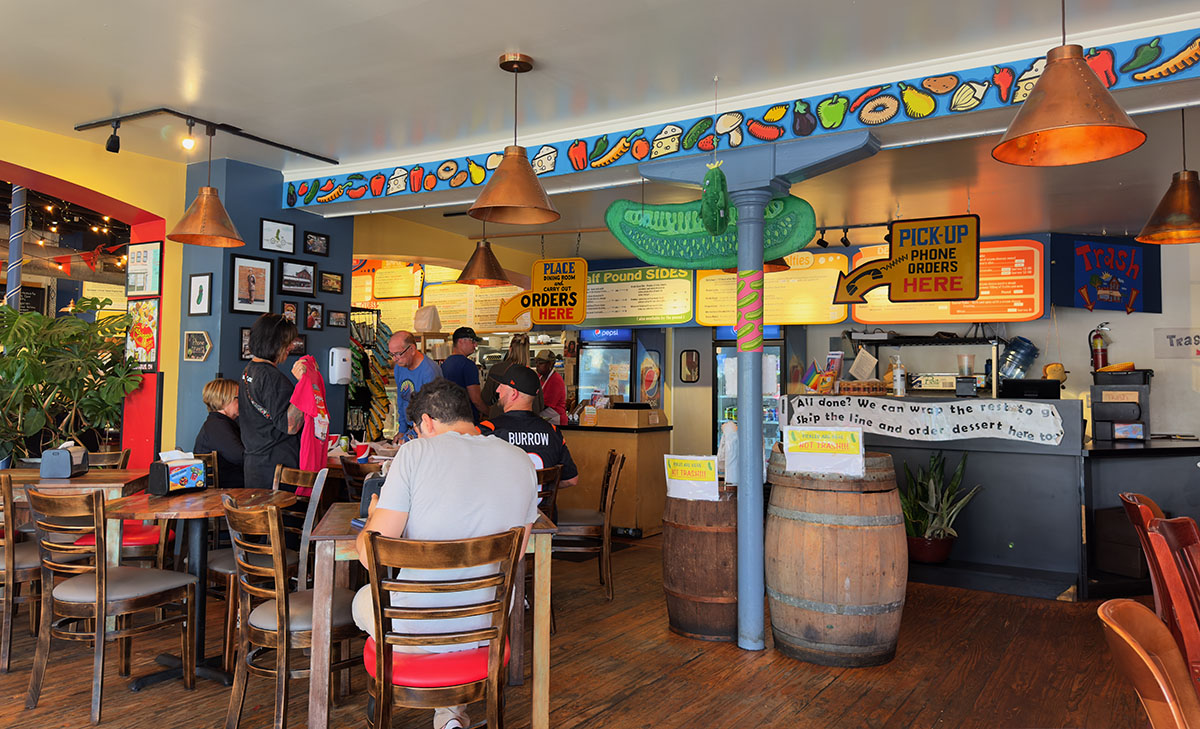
{"x": 751, "y": 630}
{"x": 16, "y": 247}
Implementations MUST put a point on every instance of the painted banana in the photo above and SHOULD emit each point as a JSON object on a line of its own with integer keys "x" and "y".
{"x": 969, "y": 95}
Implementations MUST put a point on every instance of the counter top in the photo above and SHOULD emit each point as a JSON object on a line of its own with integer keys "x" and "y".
{"x": 615, "y": 429}
{"x": 1144, "y": 449}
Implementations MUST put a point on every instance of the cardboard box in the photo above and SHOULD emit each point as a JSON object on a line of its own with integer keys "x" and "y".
{"x": 611, "y": 418}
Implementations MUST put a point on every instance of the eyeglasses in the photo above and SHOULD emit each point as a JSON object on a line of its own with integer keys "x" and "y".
{"x": 402, "y": 352}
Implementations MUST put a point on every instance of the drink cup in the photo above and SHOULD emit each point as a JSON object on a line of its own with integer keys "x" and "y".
{"x": 362, "y": 451}
{"x": 966, "y": 364}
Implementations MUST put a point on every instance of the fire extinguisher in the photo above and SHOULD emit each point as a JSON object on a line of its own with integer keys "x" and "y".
{"x": 1098, "y": 342}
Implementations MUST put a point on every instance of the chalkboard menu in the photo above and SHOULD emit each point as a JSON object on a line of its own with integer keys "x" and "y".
{"x": 32, "y": 299}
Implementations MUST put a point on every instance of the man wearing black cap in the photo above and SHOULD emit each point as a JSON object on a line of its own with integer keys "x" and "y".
{"x": 525, "y": 429}
{"x": 460, "y": 369}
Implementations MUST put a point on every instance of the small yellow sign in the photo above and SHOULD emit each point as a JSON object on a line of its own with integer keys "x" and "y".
{"x": 558, "y": 296}
{"x": 691, "y": 469}
{"x": 835, "y": 442}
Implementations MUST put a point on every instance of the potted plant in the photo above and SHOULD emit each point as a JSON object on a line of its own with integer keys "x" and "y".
{"x": 60, "y": 376}
{"x": 930, "y": 505}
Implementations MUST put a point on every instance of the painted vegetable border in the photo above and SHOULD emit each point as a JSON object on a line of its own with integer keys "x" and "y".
{"x": 1158, "y": 59}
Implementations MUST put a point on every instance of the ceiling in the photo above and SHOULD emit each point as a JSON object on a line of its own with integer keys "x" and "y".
{"x": 376, "y": 81}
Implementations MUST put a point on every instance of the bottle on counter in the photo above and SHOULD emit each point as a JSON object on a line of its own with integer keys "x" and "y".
{"x": 899, "y": 381}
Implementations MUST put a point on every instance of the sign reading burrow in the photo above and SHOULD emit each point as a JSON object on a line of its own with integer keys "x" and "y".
{"x": 930, "y": 259}
{"x": 559, "y": 294}
{"x": 1006, "y": 419}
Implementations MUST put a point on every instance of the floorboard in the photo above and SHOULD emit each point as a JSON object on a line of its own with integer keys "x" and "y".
{"x": 967, "y": 660}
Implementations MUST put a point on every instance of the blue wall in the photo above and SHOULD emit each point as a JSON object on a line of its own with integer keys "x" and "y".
{"x": 250, "y": 193}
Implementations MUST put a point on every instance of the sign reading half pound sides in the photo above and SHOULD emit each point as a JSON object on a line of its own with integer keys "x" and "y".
{"x": 559, "y": 294}
{"x": 930, "y": 259}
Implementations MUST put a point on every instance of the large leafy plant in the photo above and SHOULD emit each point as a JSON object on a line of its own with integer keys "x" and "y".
{"x": 61, "y": 376}
{"x": 931, "y": 503}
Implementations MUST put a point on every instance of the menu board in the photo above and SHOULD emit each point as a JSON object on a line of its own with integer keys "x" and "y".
{"x": 394, "y": 280}
{"x": 649, "y": 296}
{"x": 1011, "y": 288}
{"x": 33, "y": 300}
{"x": 800, "y": 295}
{"x": 397, "y": 313}
{"x": 460, "y": 305}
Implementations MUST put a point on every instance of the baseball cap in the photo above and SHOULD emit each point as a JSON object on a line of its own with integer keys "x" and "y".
{"x": 522, "y": 379}
{"x": 466, "y": 333}
{"x": 545, "y": 355}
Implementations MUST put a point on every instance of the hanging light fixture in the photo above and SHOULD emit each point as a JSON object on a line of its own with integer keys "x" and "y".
{"x": 205, "y": 223}
{"x": 483, "y": 269}
{"x": 845, "y": 237}
{"x": 113, "y": 143}
{"x": 821, "y": 241}
{"x": 1177, "y": 217}
{"x": 1069, "y": 117}
{"x": 514, "y": 195}
{"x": 189, "y": 142}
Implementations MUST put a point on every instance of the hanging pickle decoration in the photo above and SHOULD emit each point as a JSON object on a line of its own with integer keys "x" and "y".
{"x": 714, "y": 202}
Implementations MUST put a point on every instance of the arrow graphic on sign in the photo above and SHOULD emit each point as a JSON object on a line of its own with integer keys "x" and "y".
{"x": 558, "y": 296}
{"x": 852, "y": 287}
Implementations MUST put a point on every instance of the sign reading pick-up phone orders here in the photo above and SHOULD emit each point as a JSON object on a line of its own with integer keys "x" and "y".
{"x": 929, "y": 259}
{"x": 558, "y": 296}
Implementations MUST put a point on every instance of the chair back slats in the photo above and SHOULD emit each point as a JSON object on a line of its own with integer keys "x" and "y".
{"x": 355, "y": 473}
{"x": 439, "y": 586}
{"x": 310, "y": 519}
{"x": 1141, "y": 509}
{"x": 1147, "y": 654}
{"x": 547, "y": 481}
{"x": 609, "y": 489}
{"x": 59, "y": 521}
{"x": 432, "y": 639}
{"x": 8, "y": 521}
{"x": 258, "y": 530}
{"x": 1175, "y": 546}
{"x": 608, "y": 467}
{"x": 211, "y": 475}
{"x": 290, "y": 479}
{"x": 109, "y": 459}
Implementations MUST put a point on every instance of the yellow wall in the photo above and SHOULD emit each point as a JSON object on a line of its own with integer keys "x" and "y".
{"x": 152, "y": 184}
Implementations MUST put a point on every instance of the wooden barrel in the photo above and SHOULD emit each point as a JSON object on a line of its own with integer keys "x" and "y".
{"x": 700, "y": 566}
{"x": 836, "y": 563}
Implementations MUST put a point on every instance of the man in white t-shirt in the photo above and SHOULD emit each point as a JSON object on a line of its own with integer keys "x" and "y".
{"x": 449, "y": 483}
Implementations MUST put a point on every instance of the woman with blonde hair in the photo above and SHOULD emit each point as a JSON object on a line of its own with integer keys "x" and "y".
{"x": 518, "y": 353}
{"x": 220, "y": 433}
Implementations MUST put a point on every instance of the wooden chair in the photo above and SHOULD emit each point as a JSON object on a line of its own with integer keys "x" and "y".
{"x": 354, "y": 473}
{"x": 283, "y": 623}
{"x": 417, "y": 679}
{"x": 92, "y": 591}
{"x": 1175, "y": 546}
{"x": 1141, "y": 509}
{"x": 20, "y": 566}
{"x": 212, "y": 478}
{"x": 1146, "y": 653}
{"x": 109, "y": 459}
{"x": 548, "y": 480}
{"x": 578, "y": 526}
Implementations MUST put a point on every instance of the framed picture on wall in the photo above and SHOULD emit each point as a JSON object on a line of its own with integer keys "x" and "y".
{"x": 278, "y": 236}
{"x": 299, "y": 346}
{"x": 249, "y": 285}
{"x": 297, "y": 277}
{"x": 141, "y": 341}
{"x": 332, "y": 283}
{"x": 338, "y": 318}
{"x": 246, "y": 343}
{"x": 200, "y": 294}
{"x": 316, "y": 244}
{"x": 143, "y": 271}
{"x": 689, "y": 366}
{"x": 290, "y": 311}
{"x": 196, "y": 346}
{"x": 314, "y": 316}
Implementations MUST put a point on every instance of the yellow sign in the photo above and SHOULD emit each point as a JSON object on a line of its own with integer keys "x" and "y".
{"x": 835, "y": 442}
{"x": 930, "y": 259}
{"x": 559, "y": 294}
{"x": 692, "y": 469}
{"x": 800, "y": 295}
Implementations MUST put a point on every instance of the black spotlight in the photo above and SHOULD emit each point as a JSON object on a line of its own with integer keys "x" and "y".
{"x": 114, "y": 142}
{"x": 821, "y": 241}
{"x": 845, "y": 238}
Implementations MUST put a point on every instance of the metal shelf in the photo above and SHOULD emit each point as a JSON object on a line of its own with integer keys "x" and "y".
{"x": 904, "y": 341}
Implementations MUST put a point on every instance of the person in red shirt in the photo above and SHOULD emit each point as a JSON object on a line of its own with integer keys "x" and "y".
{"x": 554, "y": 390}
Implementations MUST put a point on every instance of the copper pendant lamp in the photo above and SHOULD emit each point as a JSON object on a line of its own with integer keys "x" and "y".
{"x": 514, "y": 195}
{"x": 205, "y": 223}
{"x": 483, "y": 268}
{"x": 1069, "y": 117}
{"x": 1177, "y": 217}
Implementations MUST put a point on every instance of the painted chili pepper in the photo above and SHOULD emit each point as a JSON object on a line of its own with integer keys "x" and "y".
{"x": 335, "y": 194}
{"x": 378, "y": 182}
{"x": 416, "y": 177}
{"x": 303, "y": 189}
{"x": 356, "y": 176}
{"x": 765, "y": 132}
{"x": 599, "y": 148}
{"x": 577, "y": 153}
{"x": 1003, "y": 79}
{"x": 1143, "y": 56}
{"x": 620, "y": 148}
{"x": 357, "y": 192}
{"x": 862, "y": 98}
{"x": 1101, "y": 60}
{"x": 328, "y": 185}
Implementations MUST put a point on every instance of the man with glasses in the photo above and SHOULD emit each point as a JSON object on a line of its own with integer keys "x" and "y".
{"x": 412, "y": 371}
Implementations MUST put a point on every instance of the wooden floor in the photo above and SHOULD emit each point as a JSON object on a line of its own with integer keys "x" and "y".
{"x": 966, "y": 660}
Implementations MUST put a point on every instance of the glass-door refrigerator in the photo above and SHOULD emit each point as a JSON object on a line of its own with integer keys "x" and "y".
{"x": 726, "y": 382}
{"x": 605, "y": 362}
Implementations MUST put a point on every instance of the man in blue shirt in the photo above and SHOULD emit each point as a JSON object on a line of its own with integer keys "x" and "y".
{"x": 412, "y": 371}
{"x": 460, "y": 369}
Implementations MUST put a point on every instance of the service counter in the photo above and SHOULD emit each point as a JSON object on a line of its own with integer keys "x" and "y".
{"x": 642, "y": 489}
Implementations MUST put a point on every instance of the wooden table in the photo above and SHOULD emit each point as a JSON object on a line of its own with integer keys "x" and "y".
{"x": 113, "y": 482}
{"x": 195, "y": 507}
{"x": 333, "y": 538}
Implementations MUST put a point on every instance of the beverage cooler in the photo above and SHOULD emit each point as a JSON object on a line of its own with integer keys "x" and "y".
{"x": 726, "y": 382}
{"x": 606, "y": 358}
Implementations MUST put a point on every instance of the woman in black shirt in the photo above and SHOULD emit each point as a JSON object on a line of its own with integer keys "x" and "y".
{"x": 269, "y": 422}
{"x": 220, "y": 433}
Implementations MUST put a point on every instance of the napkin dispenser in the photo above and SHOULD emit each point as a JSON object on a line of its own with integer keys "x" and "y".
{"x": 66, "y": 462}
{"x": 175, "y": 475}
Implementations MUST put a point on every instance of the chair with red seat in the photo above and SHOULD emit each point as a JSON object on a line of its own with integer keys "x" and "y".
{"x": 413, "y": 677}
{"x": 1145, "y": 652}
{"x": 140, "y": 542}
{"x": 1141, "y": 509}
{"x": 1175, "y": 545}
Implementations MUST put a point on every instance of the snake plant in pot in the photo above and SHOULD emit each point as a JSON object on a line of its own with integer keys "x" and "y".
{"x": 930, "y": 505}
{"x": 61, "y": 376}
